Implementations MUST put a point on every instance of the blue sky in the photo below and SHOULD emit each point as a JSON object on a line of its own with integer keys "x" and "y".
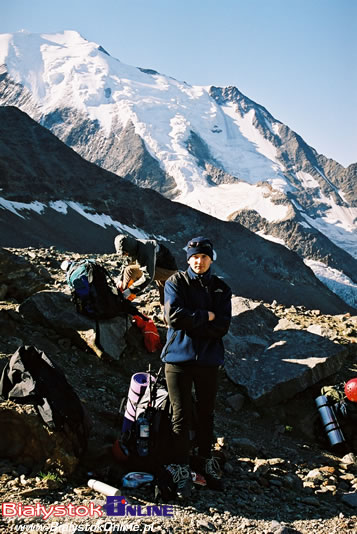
{"x": 297, "y": 58}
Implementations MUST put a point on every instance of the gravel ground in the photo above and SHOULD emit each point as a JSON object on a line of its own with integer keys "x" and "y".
{"x": 278, "y": 479}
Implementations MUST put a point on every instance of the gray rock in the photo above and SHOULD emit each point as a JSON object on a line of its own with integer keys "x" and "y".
{"x": 255, "y": 319}
{"x": 3, "y": 290}
{"x": 320, "y": 330}
{"x": 20, "y": 278}
{"x": 274, "y": 366}
{"x": 206, "y": 525}
{"x": 236, "y": 401}
{"x": 54, "y": 309}
{"x": 280, "y": 528}
{"x": 350, "y": 499}
{"x": 312, "y": 501}
{"x": 26, "y": 440}
{"x": 245, "y": 446}
{"x": 285, "y": 324}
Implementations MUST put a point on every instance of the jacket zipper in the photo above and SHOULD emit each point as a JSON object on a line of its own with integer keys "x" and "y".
{"x": 170, "y": 343}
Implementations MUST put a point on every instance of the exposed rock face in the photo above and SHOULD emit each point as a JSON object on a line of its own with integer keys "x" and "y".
{"x": 306, "y": 202}
{"x": 292, "y": 151}
{"x": 303, "y": 239}
{"x": 124, "y": 153}
{"x": 273, "y": 366}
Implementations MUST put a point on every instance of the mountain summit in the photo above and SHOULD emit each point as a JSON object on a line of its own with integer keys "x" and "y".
{"x": 210, "y": 148}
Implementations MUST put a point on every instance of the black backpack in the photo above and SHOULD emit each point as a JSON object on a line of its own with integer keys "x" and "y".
{"x": 30, "y": 377}
{"x": 94, "y": 292}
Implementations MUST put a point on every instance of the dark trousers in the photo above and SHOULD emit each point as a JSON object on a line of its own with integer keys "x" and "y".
{"x": 179, "y": 378}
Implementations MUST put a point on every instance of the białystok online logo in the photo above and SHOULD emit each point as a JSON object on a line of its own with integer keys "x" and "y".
{"x": 115, "y": 506}
{"x": 118, "y": 506}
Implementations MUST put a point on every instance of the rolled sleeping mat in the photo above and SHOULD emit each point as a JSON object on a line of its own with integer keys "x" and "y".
{"x": 138, "y": 384}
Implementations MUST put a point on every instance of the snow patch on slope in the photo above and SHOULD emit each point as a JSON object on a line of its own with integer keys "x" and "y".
{"x": 223, "y": 200}
{"x": 16, "y": 207}
{"x": 307, "y": 181}
{"x": 336, "y": 281}
{"x": 62, "y": 206}
{"x": 272, "y": 238}
{"x": 338, "y": 223}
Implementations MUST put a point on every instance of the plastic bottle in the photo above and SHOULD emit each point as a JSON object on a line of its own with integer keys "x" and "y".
{"x": 143, "y": 435}
{"x": 101, "y": 487}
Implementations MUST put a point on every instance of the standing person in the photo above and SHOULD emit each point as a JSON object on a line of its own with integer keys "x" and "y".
{"x": 151, "y": 261}
{"x": 198, "y": 313}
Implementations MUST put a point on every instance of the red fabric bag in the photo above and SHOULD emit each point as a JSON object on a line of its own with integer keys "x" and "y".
{"x": 148, "y": 328}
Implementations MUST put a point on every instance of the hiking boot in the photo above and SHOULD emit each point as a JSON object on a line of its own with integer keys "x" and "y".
{"x": 181, "y": 476}
{"x": 212, "y": 473}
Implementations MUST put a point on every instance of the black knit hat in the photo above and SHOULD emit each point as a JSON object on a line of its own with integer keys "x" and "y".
{"x": 200, "y": 245}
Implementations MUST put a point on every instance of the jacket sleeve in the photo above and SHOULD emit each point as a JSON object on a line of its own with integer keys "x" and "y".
{"x": 147, "y": 262}
{"x": 219, "y": 327}
{"x": 177, "y": 315}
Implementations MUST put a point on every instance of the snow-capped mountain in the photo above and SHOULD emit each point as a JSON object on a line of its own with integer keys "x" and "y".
{"x": 51, "y": 196}
{"x": 210, "y": 148}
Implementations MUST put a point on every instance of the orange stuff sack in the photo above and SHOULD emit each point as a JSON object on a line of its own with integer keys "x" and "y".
{"x": 151, "y": 336}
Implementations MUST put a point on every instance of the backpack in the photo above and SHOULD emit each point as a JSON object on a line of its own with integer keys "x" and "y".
{"x": 150, "y": 406}
{"x": 30, "y": 377}
{"x": 94, "y": 292}
{"x": 150, "y": 403}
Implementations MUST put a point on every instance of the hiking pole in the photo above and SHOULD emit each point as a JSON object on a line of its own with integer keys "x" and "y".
{"x": 156, "y": 385}
{"x": 150, "y": 385}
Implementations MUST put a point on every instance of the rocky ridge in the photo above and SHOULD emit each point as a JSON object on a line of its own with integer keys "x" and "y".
{"x": 278, "y": 479}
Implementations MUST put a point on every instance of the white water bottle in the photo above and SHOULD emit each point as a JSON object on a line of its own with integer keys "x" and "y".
{"x": 103, "y": 488}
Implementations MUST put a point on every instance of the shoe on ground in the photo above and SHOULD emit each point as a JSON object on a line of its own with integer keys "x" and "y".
{"x": 212, "y": 473}
{"x": 181, "y": 476}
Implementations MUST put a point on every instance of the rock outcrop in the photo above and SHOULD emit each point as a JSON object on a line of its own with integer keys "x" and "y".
{"x": 273, "y": 366}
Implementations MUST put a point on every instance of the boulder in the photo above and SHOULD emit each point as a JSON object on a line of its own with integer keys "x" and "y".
{"x": 3, "y": 290}
{"x": 55, "y": 310}
{"x": 255, "y": 319}
{"x": 320, "y": 330}
{"x": 26, "y": 441}
{"x": 20, "y": 278}
{"x": 273, "y": 366}
{"x": 236, "y": 401}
